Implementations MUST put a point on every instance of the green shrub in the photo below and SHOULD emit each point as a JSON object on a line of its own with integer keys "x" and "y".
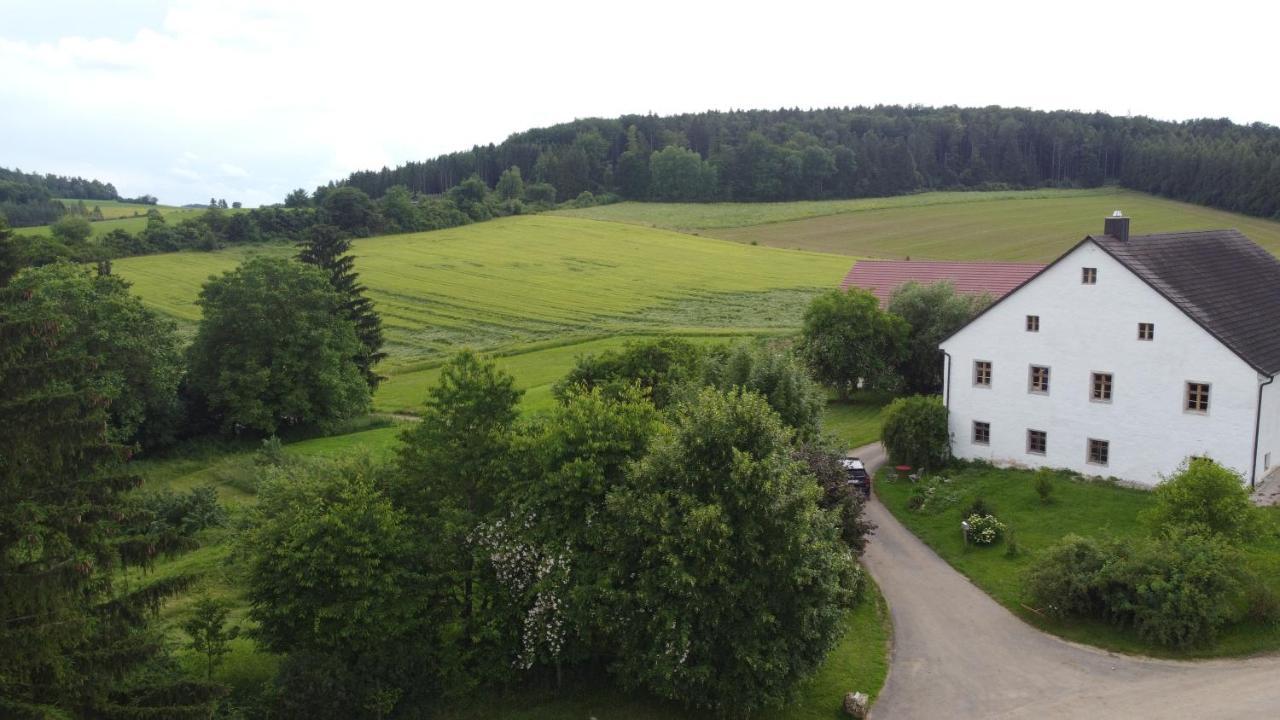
{"x": 1204, "y": 496}
{"x": 1261, "y": 603}
{"x": 1044, "y": 485}
{"x": 240, "y": 473}
{"x": 932, "y": 496}
{"x": 985, "y": 529}
{"x": 188, "y": 512}
{"x": 1012, "y": 548}
{"x": 271, "y": 454}
{"x": 915, "y": 432}
{"x": 1065, "y": 580}
{"x": 1177, "y": 590}
{"x": 979, "y": 506}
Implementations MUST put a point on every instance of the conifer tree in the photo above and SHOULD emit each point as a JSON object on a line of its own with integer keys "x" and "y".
{"x": 72, "y": 641}
{"x": 327, "y": 247}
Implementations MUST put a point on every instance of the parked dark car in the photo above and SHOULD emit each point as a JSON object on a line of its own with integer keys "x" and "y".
{"x": 858, "y": 477}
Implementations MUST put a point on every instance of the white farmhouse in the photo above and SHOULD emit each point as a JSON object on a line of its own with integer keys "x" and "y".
{"x": 1125, "y": 356}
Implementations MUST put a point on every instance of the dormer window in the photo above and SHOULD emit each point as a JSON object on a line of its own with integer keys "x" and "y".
{"x": 1089, "y": 276}
{"x": 1033, "y": 323}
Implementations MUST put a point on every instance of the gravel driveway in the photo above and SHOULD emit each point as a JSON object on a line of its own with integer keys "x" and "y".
{"x": 958, "y": 654}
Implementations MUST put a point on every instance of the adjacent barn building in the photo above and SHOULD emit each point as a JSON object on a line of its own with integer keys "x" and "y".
{"x": 882, "y": 277}
{"x": 1125, "y": 356}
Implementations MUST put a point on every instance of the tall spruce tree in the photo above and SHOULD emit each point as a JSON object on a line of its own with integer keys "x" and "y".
{"x": 73, "y": 643}
{"x": 327, "y": 247}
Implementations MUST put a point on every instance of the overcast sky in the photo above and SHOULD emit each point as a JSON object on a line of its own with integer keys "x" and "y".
{"x": 247, "y": 100}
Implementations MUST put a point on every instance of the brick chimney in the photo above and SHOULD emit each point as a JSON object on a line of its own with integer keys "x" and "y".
{"x": 1117, "y": 226}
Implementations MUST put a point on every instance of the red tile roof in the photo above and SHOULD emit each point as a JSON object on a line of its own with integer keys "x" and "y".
{"x": 996, "y": 279}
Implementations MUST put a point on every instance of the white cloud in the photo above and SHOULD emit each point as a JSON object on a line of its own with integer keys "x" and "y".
{"x": 287, "y": 94}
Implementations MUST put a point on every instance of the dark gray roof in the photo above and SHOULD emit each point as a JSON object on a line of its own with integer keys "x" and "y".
{"x": 1219, "y": 278}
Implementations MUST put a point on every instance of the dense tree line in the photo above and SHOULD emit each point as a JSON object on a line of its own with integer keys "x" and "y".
{"x": 61, "y": 186}
{"x": 29, "y": 199}
{"x": 341, "y": 212}
{"x": 86, "y": 375}
{"x": 702, "y": 552}
{"x": 757, "y": 155}
{"x": 88, "y": 378}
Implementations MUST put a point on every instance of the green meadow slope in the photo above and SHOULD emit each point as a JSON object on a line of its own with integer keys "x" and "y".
{"x": 534, "y": 288}
{"x": 131, "y": 217}
{"x": 1035, "y": 225}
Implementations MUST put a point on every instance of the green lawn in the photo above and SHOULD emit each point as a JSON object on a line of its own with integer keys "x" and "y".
{"x": 1090, "y": 508}
{"x": 513, "y": 281}
{"x": 858, "y": 421}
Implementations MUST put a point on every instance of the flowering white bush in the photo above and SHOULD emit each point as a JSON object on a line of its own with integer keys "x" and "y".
{"x": 985, "y": 529}
{"x": 534, "y": 576}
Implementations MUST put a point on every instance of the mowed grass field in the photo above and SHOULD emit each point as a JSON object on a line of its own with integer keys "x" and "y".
{"x": 131, "y": 217}
{"x": 535, "y": 288}
{"x": 696, "y": 217}
{"x": 1029, "y": 226}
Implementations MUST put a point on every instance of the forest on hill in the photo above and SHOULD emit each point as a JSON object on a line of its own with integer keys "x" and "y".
{"x": 33, "y": 199}
{"x": 778, "y": 155}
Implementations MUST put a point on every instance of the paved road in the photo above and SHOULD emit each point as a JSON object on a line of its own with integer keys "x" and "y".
{"x": 958, "y": 654}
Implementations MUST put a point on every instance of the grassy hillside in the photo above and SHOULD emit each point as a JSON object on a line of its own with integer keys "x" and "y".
{"x": 537, "y": 278}
{"x": 114, "y": 209}
{"x": 1032, "y": 226}
{"x": 696, "y": 217}
{"x": 131, "y": 217}
{"x": 535, "y": 371}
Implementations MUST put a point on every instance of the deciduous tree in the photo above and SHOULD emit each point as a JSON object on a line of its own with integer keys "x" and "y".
{"x": 728, "y": 581}
{"x": 274, "y": 348}
{"x": 932, "y": 313}
{"x": 849, "y": 342}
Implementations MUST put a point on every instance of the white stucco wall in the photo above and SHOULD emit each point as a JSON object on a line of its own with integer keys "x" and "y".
{"x": 1269, "y": 429}
{"x": 1094, "y": 328}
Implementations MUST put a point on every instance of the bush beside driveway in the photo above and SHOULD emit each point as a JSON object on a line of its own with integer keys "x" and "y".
{"x": 1083, "y": 507}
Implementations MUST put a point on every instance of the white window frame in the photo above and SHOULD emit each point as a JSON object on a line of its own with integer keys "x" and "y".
{"x": 1088, "y": 276}
{"x": 990, "y": 373}
{"x": 1033, "y": 323}
{"x": 1149, "y": 325}
{"x": 1111, "y": 386}
{"x": 1031, "y": 379}
{"x": 1186, "y": 397}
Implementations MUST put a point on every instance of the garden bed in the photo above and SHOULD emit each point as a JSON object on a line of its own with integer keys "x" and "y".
{"x": 1084, "y": 507}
